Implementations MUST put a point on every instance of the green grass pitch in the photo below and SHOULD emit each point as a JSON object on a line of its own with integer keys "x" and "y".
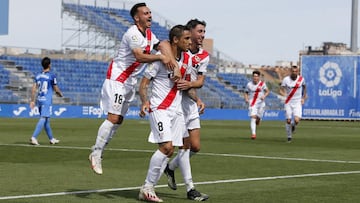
{"x": 322, "y": 164}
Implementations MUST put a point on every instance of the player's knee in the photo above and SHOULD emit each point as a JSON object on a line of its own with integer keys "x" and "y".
{"x": 195, "y": 148}
{"x": 116, "y": 119}
{"x": 167, "y": 149}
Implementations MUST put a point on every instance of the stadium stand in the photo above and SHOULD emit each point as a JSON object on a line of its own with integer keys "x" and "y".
{"x": 81, "y": 79}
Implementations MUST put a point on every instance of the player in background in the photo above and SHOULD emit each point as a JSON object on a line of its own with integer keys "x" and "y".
{"x": 118, "y": 89}
{"x": 293, "y": 88}
{"x": 165, "y": 112}
{"x": 255, "y": 94}
{"x": 194, "y": 79}
{"x": 44, "y": 85}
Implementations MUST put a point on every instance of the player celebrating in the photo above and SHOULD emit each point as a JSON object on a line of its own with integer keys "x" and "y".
{"x": 118, "y": 89}
{"x": 255, "y": 94}
{"x": 165, "y": 112}
{"x": 194, "y": 79}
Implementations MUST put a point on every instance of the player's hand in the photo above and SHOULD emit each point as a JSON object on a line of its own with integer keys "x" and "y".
{"x": 183, "y": 84}
{"x": 201, "y": 106}
{"x": 171, "y": 64}
{"x": 176, "y": 74}
{"x": 144, "y": 109}
{"x": 32, "y": 105}
{"x": 59, "y": 94}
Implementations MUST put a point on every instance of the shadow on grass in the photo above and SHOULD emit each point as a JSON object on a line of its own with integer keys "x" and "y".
{"x": 126, "y": 194}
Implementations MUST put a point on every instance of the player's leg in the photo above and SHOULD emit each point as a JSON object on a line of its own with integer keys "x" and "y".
{"x": 159, "y": 124}
{"x": 112, "y": 101}
{"x": 157, "y": 164}
{"x": 44, "y": 111}
{"x": 49, "y": 133}
{"x": 38, "y": 128}
{"x": 297, "y": 116}
{"x": 253, "y": 126}
{"x": 105, "y": 131}
{"x": 288, "y": 117}
{"x": 253, "y": 118}
{"x": 191, "y": 146}
{"x": 182, "y": 136}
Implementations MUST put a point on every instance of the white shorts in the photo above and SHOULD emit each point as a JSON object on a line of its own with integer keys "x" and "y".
{"x": 116, "y": 97}
{"x": 166, "y": 126}
{"x": 257, "y": 110}
{"x": 293, "y": 109}
{"x": 191, "y": 125}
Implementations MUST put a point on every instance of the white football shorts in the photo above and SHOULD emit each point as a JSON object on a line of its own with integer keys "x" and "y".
{"x": 116, "y": 97}
{"x": 166, "y": 126}
{"x": 293, "y": 109}
{"x": 257, "y": 110}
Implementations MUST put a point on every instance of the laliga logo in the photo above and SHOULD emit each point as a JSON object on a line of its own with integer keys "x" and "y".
{"x": 330, "y": 75}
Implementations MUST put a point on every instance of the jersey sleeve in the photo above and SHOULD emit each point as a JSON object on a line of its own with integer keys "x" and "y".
{"x": 134, "y": 40}
{"x": 204, "y": 64}
{"x": 247, "y": 88}
{"x": 53, "y": 80}
{"x": 151, "y": 69}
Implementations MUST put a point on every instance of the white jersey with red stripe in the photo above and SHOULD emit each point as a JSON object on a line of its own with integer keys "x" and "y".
{"x": 124, "y": 58}
{"x": 164, "y": 93}
{"x": 290, "y": 84}
{"x": 255, "y": 92}
{"x": 197, "y": 65}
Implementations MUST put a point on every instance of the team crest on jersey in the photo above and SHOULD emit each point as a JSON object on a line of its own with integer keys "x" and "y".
{"x": 197, "y": 59}
{"x": 134, "y": 38}
{"x": 150, "y": 66}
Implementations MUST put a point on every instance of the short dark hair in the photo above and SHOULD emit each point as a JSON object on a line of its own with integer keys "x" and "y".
{"x": 134, "y": 9}
{"x": 177, "y": 31}
{"x": 45, "y": 62}
{"x": 194, "y": 22}
{"x": 256, "y": 72}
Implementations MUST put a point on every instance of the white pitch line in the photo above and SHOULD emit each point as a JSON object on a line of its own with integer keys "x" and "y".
{"x": 182, "y": 184}
{"x": 281, "y": 158}
{"x": 206, "y": 154}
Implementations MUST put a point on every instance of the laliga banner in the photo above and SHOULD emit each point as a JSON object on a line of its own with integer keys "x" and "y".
{"x": 333, "y": 87}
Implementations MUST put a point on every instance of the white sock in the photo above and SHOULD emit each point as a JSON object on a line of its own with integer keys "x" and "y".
{"x": 157, "y": 165}
{"x": 185, "y": 168}
{"x": 253, "y": 126}
{"x": 288, "y": 130}
{"x": 174, "y": 163}
{"x": 112, "y": 133}
{"x": 104, "y": 133}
